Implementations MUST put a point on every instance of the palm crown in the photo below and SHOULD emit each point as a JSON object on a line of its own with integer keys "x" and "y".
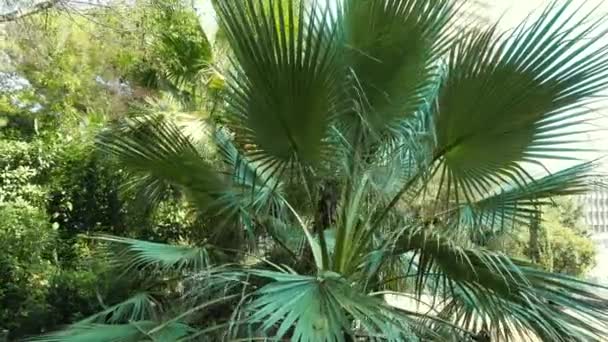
{"x": 364, "y": 148}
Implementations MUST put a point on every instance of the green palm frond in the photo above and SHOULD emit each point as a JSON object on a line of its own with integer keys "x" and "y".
{"x": 186, "y": 59}
{"x": 166, "y": 325}
{"x": 181, "y": 54}
{"x": 306, "y": 308}
{"x": 519, "y": 203}
{"x": 139, "y": 307}
{"x": 392, "y": 47}
{"x": 400, "y": 159}
{"x": 552, "y": 307}
{"x": 510, "y": 297}
{"x": 286, "y": 84}
{"x": 256, "y": 183}
{"x": 132, "y": 332}
{"x": 293, "y": 238}
{"x": 432, "y": 250}
{"x": 164, "y": 159}
{"x": 138, "y": 254}
{"x": 517, "y": 98}
{"x": 97, "y": 333}
{"x": 153, "y": 146}
{"x": 353, "y": 229}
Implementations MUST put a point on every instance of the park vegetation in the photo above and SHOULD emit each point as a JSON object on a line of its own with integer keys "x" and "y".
{"x": 298, "y": 175}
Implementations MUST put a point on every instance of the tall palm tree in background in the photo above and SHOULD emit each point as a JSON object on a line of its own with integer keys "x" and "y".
{"x": 364, "y": 151}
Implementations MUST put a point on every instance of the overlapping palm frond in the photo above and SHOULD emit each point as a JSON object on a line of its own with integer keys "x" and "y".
{"x": 287, "y": 82}
{"x": 181, "y": 53}
{"x": 254, "y": 182}
{"x": 187, "y": 59}
{"x": 145, "y": 255}
{"x": 551, "y": 307}
{"x": 517, "y": 204}
{"x": 355, "y": 240}
{"x": 156, "y": 148}
{"x": 476, "y": 288}
{"x": 131, "y": 320}
{"x": 508, "y": 99}
{"x": 164, "y": 157}
{"x": 144, "y": 318}
{"x": 127, "y": 332}
{"x": 139, "y": 307}
{"x": 99, "y": 333}
{"x": 393, "y": 48}
{"x": 321, "y": 308}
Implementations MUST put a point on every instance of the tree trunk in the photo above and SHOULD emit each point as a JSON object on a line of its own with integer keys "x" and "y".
{"x": 325, "y": 215}
{"x": 534, "y": 242}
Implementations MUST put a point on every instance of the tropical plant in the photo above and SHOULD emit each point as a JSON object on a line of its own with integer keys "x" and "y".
{"x": 366, "y": 148}
{"x": 176, "y": 53}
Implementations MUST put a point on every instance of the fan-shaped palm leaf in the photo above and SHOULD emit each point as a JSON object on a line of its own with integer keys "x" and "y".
{"x": 286, "y": 84}
{"x": 519, "y": 203}
{"x": 140, "y": 307}
{"x": 551, "y": 307}
{"x": 156, "y": 148}
{"x": 131, "y": 332}
{"x": 504, "y": 295}
{"x": 321, "y": 308}
{"x": 392, "y": 47}
{"x": 255, "y": 182}
{"x": 517, "y": 98}
{"x": 138, "y": 254}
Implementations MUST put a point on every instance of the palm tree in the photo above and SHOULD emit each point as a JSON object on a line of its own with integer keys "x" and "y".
{"x": 363, "y": 149}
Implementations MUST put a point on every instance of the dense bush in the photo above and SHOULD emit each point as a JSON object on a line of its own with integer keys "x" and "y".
{"x": 54, "y": 186}
{"x": 27, "y": 241}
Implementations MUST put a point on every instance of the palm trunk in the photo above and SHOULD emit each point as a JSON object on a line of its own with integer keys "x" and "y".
{"x": 325, "y": 214}
{"x": 534, "y": 242}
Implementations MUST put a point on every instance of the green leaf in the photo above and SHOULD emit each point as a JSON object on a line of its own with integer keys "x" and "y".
{"x": 140, "y": 307}
{"x": 519, "y": 203}
{"x": 138, "y": 254}
{"x": 153, "y": 147}
{"x": 163, "y": 158}
{"x": 508, "y": 296}
{"x": 286, "y": 82}
{"x": 393, "y": 47}
{"x": 133, "y": 332}
{"x": 97, "y": 333}
{"x": 552, "y": 307}
{"x": 258, "y": 186}
{"x": 321, "y": 308}
{"x": 517, "y": 98}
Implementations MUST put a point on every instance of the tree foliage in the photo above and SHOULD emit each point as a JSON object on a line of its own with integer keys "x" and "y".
{"x": 67, "y": 74}
{"x": 366, "y": 148}
{"x": 564, "y": 240}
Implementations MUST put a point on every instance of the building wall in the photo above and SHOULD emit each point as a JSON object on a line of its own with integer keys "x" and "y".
{"x": 595, "y": 204}
{"x": 595, "y": 208}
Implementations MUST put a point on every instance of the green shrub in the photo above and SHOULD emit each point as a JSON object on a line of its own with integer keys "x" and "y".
{"x": 27, "y": 241}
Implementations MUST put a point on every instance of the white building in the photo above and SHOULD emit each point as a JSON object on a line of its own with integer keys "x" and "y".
{"x": 595, "y": 207}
